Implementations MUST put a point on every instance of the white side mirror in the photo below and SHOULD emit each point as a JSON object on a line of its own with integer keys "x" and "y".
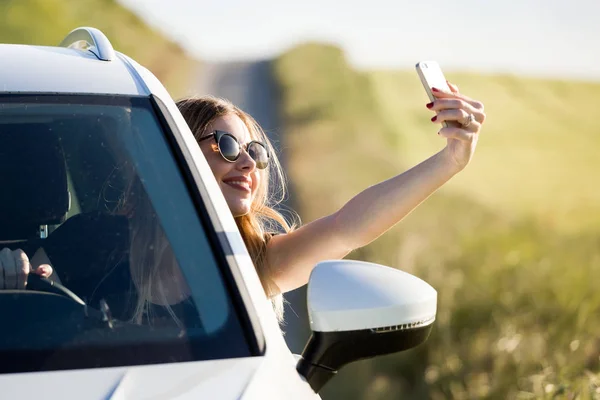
{"x": 348, "y": 295}
{"x": 360, "y": 310}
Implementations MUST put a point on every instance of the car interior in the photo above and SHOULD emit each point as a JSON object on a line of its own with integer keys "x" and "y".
{"x": 70, "y": 189}
{"x": 62, "y": 188}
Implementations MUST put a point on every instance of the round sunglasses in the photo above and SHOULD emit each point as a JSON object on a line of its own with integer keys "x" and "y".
{"x": 230, "y": 148}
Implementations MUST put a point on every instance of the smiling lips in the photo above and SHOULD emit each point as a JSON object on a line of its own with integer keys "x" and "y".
{"x": 240, "y": 183}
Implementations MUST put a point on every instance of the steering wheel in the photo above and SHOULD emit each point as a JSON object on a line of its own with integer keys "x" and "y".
{"x": 41, "y": 284}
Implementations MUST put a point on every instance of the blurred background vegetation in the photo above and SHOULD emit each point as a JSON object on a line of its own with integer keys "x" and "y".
{"x": 47, "y": 22}
{"x": 512, "y": 244}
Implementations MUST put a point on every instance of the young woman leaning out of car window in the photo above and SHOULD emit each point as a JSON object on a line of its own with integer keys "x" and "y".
{"x": 244, "y": 163}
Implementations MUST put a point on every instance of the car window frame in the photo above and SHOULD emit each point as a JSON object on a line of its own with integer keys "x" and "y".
{"x": 208, "y": 214}
{"x": 203, "y": 206}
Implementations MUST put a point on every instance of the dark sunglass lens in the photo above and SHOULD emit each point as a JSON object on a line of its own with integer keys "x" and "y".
{"x": 259, "y": 154}
{"x": 229, "y": 147}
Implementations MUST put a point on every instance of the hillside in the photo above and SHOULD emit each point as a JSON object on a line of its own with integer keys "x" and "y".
{"x": 47, "y": 22}
{"x": 511, "y": 245}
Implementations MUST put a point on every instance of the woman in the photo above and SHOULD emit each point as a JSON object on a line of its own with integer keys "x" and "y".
{"x": 243, "y": 163}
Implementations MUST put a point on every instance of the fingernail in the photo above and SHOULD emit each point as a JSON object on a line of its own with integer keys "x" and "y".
{"x": 435, "y": 89}
{"x": 434, "y": 118}
{"x": 429, "y": 105}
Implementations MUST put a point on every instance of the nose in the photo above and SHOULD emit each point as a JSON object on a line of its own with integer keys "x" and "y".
{"x": 245, "y": 162}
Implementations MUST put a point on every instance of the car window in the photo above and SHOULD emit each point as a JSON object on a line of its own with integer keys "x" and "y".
{"x": 92, "y": 187}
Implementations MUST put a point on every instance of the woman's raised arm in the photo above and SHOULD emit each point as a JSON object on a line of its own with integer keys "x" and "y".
{"x": 375, "y": 210}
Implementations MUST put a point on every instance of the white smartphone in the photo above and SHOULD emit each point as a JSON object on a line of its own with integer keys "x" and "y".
{"x": 431, "y": 76}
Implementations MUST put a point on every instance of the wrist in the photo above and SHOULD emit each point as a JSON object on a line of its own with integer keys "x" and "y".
{"x": 449, "y": 162}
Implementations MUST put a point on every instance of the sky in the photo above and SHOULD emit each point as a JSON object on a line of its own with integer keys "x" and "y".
{"x": 533, "y": 37}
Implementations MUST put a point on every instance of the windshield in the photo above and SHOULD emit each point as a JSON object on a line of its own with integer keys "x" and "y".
{"x": 91, "y": 188}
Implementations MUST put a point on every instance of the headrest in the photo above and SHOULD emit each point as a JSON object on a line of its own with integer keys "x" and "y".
{"x": 33, "y": 180}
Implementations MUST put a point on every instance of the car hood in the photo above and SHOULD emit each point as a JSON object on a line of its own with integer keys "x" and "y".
{"x": 242, "y": 378}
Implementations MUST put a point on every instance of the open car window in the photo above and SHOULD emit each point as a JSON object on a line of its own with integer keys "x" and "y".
{"x": 90, "y": 182}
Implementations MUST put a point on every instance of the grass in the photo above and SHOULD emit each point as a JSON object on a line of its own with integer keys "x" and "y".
{"x": 47, "y": 22}
{"x": 537, "y": 153}
{"x": 512, "y": 244}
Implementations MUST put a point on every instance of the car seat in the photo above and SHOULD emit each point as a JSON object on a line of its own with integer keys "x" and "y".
{"x": 33, "y": 183}
{"x": 89, "y": 251}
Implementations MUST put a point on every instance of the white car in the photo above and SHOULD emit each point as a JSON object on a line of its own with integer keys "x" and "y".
{"x": 97, "y": 167}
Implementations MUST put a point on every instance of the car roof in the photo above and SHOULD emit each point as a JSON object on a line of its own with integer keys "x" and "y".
{"x": 72, "y": 68}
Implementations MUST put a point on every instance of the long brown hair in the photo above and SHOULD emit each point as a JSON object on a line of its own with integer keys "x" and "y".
{"x": 148, "y": 245}
{"x": 263, "y": 220}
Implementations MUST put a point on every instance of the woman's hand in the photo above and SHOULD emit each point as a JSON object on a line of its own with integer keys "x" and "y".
{"x": 456, "y": 107}
{"x": 15, "y": 267}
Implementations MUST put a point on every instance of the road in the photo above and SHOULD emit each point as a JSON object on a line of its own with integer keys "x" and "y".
{"x": 250, "y": 85}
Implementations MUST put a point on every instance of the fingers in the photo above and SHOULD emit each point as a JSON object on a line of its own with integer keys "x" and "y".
{"x": 449, "y": 104}
{"x": 23, "y": 268}
{"x": 458, "y": 108}
{"x": 458, "y": 115}
{"x": 44, "y": 271}
{"x": 439, "y": 94}
{"x": 458, "y": 133}
{"x": 452, "y": 87}
{"x": 15, "y": 267}
{"x": 9, "y": 269}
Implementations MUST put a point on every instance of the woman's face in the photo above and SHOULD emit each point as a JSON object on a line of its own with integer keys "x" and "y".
{"x": 238, "y": 180}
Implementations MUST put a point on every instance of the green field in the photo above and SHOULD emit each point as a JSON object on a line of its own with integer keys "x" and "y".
{"x": 47, "y": 22}
{"x": 537, "y": 155}
{"x": 512, "y": 244}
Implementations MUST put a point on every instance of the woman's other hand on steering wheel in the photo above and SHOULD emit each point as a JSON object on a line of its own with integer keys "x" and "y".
{"x": 15, "y": 268}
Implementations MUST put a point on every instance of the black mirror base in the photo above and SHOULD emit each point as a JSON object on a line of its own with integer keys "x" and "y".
{"x": 327, "y": 352}
{"x": 316, "y": 375}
